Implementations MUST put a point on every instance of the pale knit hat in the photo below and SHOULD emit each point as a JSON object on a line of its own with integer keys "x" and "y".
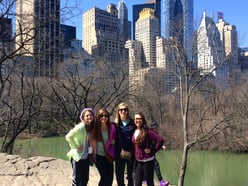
{"x": 87, "y": 109}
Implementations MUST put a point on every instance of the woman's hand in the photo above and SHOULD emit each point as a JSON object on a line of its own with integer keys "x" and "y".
{"x": 147, "y": 151}
{"x": 80, "y": 148}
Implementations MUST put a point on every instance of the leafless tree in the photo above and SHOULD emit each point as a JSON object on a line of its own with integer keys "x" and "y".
{"x": 19, "y": 107}
{"x": 236, "y": 137}
{"x": 20, "y": 97}
{"x": 97, "y": 87}
{"x": 17, "y": 93}
{"x": 199, "y": 124}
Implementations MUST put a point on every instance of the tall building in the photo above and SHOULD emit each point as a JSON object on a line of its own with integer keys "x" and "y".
{"x": 165, "y": 59}
{"x": 210, "y": 50}
{"x": 243, "y": 59}
{"x": 147, "y": 28}
{"x": 68, "y": 35}
{"x": 151, "y": 65}
{"x": 147, "y": 81}
{"x": 172, "y": 24}
{"x": 125, "y": 25}
{"x": 177, "y": 22}
{"x": 5, "y": 29}
{"x": 38, "y": 29}
{"x": 101, "y": 33}
{"x": 229, "y": 38}
{"x": 135, "y": 56}
{"x": 153, "y": 4}
{"x": 6, "y": 43}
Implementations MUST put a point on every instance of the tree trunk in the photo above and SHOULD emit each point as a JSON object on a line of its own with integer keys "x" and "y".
{"x": 183, "y": 166}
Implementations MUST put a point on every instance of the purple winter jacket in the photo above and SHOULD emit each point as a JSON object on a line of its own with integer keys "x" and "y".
{"x": 110, "y": 144}
{"x": 153, "y": 141}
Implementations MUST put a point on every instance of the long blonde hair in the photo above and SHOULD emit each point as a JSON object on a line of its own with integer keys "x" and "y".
{"x": 117, "y": 115}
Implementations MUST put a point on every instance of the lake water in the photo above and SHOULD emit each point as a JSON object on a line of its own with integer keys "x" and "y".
{"x": 205, "y": 168}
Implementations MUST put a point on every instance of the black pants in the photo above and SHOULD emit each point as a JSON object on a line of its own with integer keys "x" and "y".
{"x": 106, "y": 171}
{"x": 120, "y": 164}
{"x": 144, "y": 171}
{"x": 157, "y": 170}
{"x": 80, "y": 172}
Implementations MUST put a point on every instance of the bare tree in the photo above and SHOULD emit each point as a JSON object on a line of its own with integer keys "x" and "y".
{"x": 237, "y": 99}
{"x": 19, "y": 107}
{"x": 20, "y": 97}
{"x": 97, "y": 87}
{"x": 17, "y": 93}
{"x": 199, "y": 124}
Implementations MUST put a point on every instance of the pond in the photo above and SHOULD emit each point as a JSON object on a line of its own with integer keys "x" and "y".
{"x": 205, "y": 168}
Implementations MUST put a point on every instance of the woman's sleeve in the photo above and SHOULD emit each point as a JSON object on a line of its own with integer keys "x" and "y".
{"x": 70, "y": 137}
{"x": 159, "y": 140}
{"x": 110, "y": 145}
{"x": 112, "y": 134}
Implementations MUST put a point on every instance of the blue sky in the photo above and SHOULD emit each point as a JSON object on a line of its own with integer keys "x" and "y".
{"x": 235, "y": 13}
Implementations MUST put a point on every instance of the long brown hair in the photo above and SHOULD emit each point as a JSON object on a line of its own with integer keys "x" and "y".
{"x": 143, "y": 130}
{"x": 97, "y": 133}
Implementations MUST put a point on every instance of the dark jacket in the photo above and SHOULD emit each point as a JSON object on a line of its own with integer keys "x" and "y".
{"x": 124, "y": 137}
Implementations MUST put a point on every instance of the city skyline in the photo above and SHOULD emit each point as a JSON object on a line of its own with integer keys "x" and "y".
{"x": 232, "y": 13}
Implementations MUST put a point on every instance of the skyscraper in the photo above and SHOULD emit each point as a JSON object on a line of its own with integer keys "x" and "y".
{"x": 229, "y": 38}
{"x": 135, "y": 56}
{"x": 177, "y": 22}
{"x": 5, "y": 29}
{"x": 209, "y": 47}
{"x": 188, "y": 9}
{"x": 38, "y": 28}
{"x": 147, "y": 28}
{"x": 125, "y": 25}
{"x": 6, "y": 44}
{"x": 154, "y": 4}
{"x": 173, "y": 19}
{"x": 101, "y": 33}
{"x": 68, "y": 34}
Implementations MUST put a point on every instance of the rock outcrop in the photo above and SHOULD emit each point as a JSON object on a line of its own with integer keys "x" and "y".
{"x": 39, "y": 171}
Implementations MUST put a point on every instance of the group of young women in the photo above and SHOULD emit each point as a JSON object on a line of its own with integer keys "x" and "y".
{"x": 126, "y": 142}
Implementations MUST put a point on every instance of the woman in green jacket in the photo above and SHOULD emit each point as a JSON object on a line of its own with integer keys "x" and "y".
{"x": 83, "y": 147}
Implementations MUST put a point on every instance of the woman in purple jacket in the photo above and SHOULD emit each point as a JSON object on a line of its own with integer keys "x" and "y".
{"x": 105, "y": 134}
{"x": 144, "y": 150}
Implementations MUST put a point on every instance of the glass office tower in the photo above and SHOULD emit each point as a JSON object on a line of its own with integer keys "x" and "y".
{"x": 177, "y": 21}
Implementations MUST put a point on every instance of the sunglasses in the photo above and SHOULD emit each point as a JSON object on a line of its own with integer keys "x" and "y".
{"x": 124, "y": 109}
{"x": 103, "y": 116}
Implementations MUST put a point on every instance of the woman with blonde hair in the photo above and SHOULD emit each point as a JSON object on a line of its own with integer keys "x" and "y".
{"x": 124, "y": 148}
